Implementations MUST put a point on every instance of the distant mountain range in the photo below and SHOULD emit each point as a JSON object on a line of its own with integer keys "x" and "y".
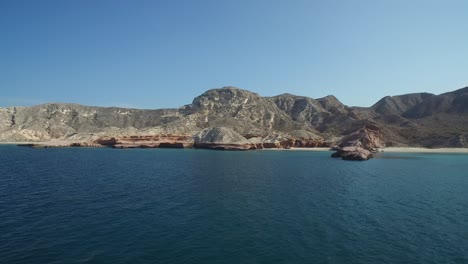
{"x": 419, "y": 119}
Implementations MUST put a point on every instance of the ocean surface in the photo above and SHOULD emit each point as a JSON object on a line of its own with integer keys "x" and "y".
{"x": 79, "y": 205}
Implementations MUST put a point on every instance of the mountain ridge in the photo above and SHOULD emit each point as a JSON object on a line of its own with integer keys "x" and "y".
{"x": 404, "y": 120}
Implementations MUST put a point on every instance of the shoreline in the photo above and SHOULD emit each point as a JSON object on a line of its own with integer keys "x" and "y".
{"x": 390, "y": 150}
{"x": 383, "y": 150}
{"x": 423, "y": 150}
{"x": 22, "y": 142}
{"x": 299, "y": 149}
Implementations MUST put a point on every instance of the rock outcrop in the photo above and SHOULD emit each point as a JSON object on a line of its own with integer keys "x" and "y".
{"x": 360, "y": 144}
{"x": 241, "y": 110}
{"x": 352, "y": 153}
{"x": 308, "y": 110}
{"x": 368, "y": 137}
{"x": 222, "y": 138}
{"x": 159, "y": 141}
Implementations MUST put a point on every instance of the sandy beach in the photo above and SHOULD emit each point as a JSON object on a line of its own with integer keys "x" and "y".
{"x": 395, "y": 149}
{"x": 390, "y": 149}
{"x": 312, "y": 149}
{"x": 425, "y": 150}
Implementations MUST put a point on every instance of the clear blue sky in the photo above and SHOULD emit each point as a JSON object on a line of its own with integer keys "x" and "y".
{"x": 154, "y": 54}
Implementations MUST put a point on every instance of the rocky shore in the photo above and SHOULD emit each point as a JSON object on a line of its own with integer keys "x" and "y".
{"x": 230, "y": 118}
{"x": 356, "y": 146}
{"x": 217, "y": 138}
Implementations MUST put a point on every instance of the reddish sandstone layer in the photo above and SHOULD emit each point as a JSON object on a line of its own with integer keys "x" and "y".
{"x": 184, "y": 141}
{"x": 156, "y": 141}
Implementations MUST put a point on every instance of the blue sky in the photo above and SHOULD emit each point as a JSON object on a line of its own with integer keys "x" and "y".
{"x": 156, "y": 54}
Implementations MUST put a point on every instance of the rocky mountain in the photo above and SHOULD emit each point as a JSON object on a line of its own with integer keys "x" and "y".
{"x": 397, "y": 105}
{"x": 63, "y": 121}
{"x": 424, "y": 119}
{"x": 455, "y": 102}
{"x": 232, "y": 116}
{"x": 245, "y": 111}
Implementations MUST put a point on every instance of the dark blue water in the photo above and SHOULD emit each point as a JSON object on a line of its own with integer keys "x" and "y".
{"x": 82, "y": 205}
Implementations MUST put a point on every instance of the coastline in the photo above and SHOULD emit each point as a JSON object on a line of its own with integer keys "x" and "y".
{"x": 424, "y": 150}
{"x": 299, "y": 149}
{"x": 22, "y": 142}
{"x": 393, "y": 150}
{"x": 383, "y": 150}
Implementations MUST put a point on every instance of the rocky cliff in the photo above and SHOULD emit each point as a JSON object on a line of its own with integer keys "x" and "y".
{"x": 236, "y": 117}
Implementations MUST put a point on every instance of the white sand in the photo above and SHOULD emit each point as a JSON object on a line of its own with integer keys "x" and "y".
{"x": 395, "y": 149}
{"x": 299, "y": 149}
{"x": 390, "y": 149}
{"x": 426, "y": 150}
{"x": 311, "y": 149}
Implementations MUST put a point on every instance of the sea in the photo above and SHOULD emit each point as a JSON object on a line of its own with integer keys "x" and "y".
{"x": 101, "y": 205}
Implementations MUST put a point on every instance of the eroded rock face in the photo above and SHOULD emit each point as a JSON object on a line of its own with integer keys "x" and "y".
{"x": 368, "y": 137}
{"x": 459, "y": 141}
{"x": 241, "y": 110}
{"x": 310, "y": 143}
{"x": 77, "y": 122}
{"x": 218, "y": 138}
{"x": 107, "y": 141}
{"x": 276, "y": 140}
{"x": 360, "y": 144}
{"x": 221, "y": 135}
{"x": 62, "y": 144}
{"x": 158, "y": 141}
{"x": 228, "y": 139}
{"x": 352, "y": 153}
{"x": 222, "y": 138}
{"x": 311, "y": 111}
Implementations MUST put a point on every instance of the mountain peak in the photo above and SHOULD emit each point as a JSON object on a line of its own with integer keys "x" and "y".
{"x": 229, "y": 89}
{"x": 332, "y": 104}
{"x": 227, "y": 95}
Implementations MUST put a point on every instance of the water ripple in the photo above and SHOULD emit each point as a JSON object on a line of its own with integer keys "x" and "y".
{"x": 195, "y": 206}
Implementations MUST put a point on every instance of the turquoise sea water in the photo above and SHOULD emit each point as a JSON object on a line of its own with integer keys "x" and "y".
{"x": 79, "y": 205}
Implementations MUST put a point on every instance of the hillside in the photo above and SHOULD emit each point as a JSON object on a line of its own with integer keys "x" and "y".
{"x": 418, "y": 119}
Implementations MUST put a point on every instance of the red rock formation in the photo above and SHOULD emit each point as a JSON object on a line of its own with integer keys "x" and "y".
{"x": 156, "y": 141}
{"x": 359, "y": 144}
{"x": 310, "y": 143}
{"x": 186, "y": 141}
{"x": 368, "y": 137}
{"x": 60, "y": 144}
